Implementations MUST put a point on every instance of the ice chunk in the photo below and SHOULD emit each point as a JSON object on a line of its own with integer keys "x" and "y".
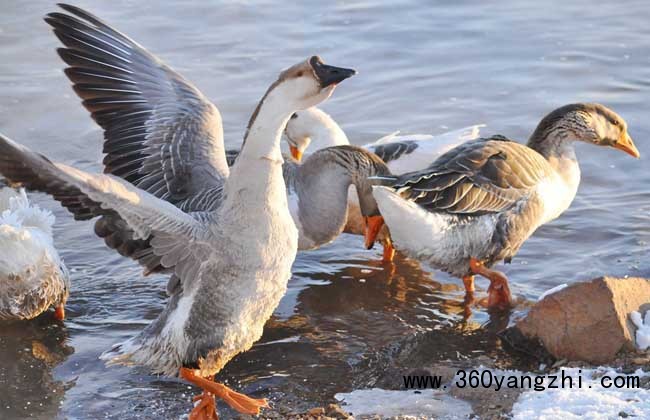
{"x": 427, "y": 403}
{"x": 642, "y": 329}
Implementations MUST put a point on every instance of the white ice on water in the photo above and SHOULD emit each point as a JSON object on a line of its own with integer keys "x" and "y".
{"x": 426, "y": 403}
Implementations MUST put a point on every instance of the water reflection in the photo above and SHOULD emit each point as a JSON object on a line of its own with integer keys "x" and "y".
{"x": 360, "y": 326}
{"x": 29, "y": 352}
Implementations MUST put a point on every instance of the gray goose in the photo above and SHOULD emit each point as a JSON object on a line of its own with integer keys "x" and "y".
{"x": 314, "y": 129}
{"x": 318, "y": 187}
{"x": 479, "y": 202}
{"x": 33, "y": 277}
{"x": 171, "y": 203}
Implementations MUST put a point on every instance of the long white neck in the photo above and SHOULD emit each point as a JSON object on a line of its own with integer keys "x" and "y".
{"x": 265, "y": 132}
{"x": 255, "y": 180}
{"x": 325, "y": 131}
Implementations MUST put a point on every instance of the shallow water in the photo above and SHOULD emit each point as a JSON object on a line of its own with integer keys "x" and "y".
{"x": 422, "y": 68}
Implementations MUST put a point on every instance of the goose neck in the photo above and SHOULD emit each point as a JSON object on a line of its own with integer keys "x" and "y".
{"x": 265, "y": 129}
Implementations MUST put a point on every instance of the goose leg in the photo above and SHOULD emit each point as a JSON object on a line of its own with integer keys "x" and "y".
{"x": 239, "y": 402}
{"x": 389, "y": 251}
{"x": 468, "y": 281}
{"x": 499, "y": 296}
{"x": 59, "y": 312}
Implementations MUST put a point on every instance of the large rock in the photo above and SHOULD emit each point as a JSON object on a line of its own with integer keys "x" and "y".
{"x": 588, "y": 321}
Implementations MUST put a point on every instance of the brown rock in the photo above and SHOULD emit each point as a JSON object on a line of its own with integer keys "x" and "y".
{"x": 318, "y": 411}
{"x": 336, "y": 412}
{"x": 588, "y": 321}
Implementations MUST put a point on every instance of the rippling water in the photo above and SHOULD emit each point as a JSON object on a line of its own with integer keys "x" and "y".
{"x": 423, "y": 68}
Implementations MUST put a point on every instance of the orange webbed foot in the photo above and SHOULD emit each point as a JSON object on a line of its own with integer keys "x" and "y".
{"x": 239, "y": 402}
{"x": 499, "y": 296}
{"x": 206, "y": 409}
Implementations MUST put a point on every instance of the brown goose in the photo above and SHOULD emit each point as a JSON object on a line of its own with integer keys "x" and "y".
{"x": 479, "y": 202}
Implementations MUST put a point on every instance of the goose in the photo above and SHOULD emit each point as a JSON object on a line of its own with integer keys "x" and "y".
{"x": 33, "y": 277}
{"x": 170, "y": 201}
{"x": 230, "y": 265}
{"x": 318, "y": 186}
{"x": 315, "y": 129}
{"x": 313, "y": 185}
{"x": 317, "y": 190}
{"x": 479, "y": 202}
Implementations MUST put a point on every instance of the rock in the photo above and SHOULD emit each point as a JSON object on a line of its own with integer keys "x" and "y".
{"x": 336, "y": 412}
{"x": 640, "y": 361}
{"x": 588, "y": 321}
{"x": 316, "y": 412}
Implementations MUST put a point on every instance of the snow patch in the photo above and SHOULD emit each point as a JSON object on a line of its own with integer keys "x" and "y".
{"x": 426, "y": 403}
{"x": 642, "y": 329}
{"x": 551, "y": 291}
{"x": 591, "y": 401}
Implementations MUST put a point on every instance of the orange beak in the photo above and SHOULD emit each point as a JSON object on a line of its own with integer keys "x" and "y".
{"x": 626, "y": 144}
{"x": 296, "y": 153}
{"x": 373, "y": 226}
{"x": 59, "y": 312}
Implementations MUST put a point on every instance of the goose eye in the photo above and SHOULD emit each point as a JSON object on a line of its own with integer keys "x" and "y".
{"x": 299, "y": 74}
{"x": 615, "y": 122}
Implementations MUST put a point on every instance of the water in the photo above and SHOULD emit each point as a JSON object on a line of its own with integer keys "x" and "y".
{"x": 346, "y": 320}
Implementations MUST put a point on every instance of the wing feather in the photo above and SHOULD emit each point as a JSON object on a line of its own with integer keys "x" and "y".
{"x": 161, "y": 134}
{"x": 482, "y": 176}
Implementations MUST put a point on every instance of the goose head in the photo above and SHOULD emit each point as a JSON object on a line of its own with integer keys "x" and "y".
{"x": 587, "y": 122}
{"x": 315, "y": 128}
{"x": 299, "y": 87}
{"x": 308, "y": 83}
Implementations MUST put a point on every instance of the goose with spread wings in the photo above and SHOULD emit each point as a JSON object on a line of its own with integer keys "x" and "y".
{"x": 162, "y": 135}
{"x": 168, "y": 199}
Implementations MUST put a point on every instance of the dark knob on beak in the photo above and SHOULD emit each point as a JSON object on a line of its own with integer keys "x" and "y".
{"x": 329, "y": 75}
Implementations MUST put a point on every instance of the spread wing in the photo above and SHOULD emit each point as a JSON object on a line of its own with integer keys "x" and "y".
{"x": 478, "y": 177}
{"x": 161, "y": 134}
{"x": 180, "y": 240}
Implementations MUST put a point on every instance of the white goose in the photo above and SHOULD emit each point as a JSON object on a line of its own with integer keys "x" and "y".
{"x": 32, "y": 275}
{"x": 313, "y": 129}
{"x": 231, "y": 265}
{"x": 226, "y": 236}
{"x": 479, "y": 202}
